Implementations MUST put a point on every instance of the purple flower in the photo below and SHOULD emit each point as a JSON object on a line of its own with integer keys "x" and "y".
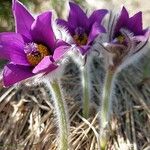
{"x": 126, "y": 37}
{"x": 83, "y": 29}
{"x": 132, "y": 24}
{"x": 32, "y": 49}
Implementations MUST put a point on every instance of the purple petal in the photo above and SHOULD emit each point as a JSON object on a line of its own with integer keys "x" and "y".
{"x": 122, "y": 20}
{"x": 69, "y": 27}
{"x": 60, "y": 52}
{"x": 42, "y": 31}
{"x": 61, "y": 43}
{"x": 23, "y": 20}
{"x": 12, "y": 48}
{"x": 15, "y": 73}
{"x": 144, "y": 37}
{"x": 97, "y": 16}
{"x": 135, "y": 23}
{"x": 96, "y": 30}
{"x": 77, "y": 18}
{"x": 84, "y": 49}
{"x": 62, "y": 23}
{"x": 46, "y": 65}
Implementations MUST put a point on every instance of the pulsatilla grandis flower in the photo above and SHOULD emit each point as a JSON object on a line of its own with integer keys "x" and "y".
{"x": 32, "y": 49}
{"x": 126, "y": 37}
{"x": 83, "y": 29}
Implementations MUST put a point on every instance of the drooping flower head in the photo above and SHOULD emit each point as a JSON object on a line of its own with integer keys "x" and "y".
{"x": 126, "y": 37}
{"x": 82, "y": 28}
{"x": 32, "y": 49}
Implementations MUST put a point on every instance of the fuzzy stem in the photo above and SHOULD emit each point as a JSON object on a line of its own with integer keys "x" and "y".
{"x": 86, "y": 90}
{"x": 61, "y": 115}
{"x": 106, "y": 106}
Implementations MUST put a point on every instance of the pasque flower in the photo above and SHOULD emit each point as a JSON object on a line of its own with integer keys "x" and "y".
{"x": 32, "y": 48}
{"x": 126, "y": 37}
{"x": 82, "y": 28}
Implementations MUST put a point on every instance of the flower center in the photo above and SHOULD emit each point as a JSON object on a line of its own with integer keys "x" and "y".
{"x": 35, "y": 53}
{"x": 121, "y": 39}
{"x": 80, "y": 36}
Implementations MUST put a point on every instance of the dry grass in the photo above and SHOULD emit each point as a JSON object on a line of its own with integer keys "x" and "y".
{"x": 28, "y": 120}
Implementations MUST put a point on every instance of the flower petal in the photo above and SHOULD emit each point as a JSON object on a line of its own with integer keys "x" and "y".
{"x": 144, "y": 37}
{"x": 12, "y": 48}
{"x": 84, "y": 49}
{"x": 97, "y": 16}
{"x": 135, "y": 24}
{"x": 95, "y": 31}
{"x": 42, "y": 31}
{"x": 23, "y": 20}
{"x": 77, "y": 17}
{"x": 60, "y": 52}
{"x": 122, "y": 20}
{"x": 15, "y": 73}
{"x": 62, "y": 23}
{"x": 69, "y": 27}
{"x": 61, "y": 43}
{"x": 46, "y": 65}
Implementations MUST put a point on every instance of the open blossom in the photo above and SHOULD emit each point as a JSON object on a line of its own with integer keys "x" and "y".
{"x": 32, "y": 49}
{"x": 82, "y": 28}
{"x": 126, "y": 37}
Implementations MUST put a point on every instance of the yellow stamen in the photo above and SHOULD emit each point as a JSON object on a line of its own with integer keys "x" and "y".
{"x": 121, "y": 39}
{"x": 43, "y": 50}
{"x": 80, "y": 40}
{"x": 35, "y": 57}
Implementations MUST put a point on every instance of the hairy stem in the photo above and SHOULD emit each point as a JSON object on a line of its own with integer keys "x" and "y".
{"x": 106, "y": 106}
{"x": 86, "y": 90}
{"x": 61, "y": 115}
